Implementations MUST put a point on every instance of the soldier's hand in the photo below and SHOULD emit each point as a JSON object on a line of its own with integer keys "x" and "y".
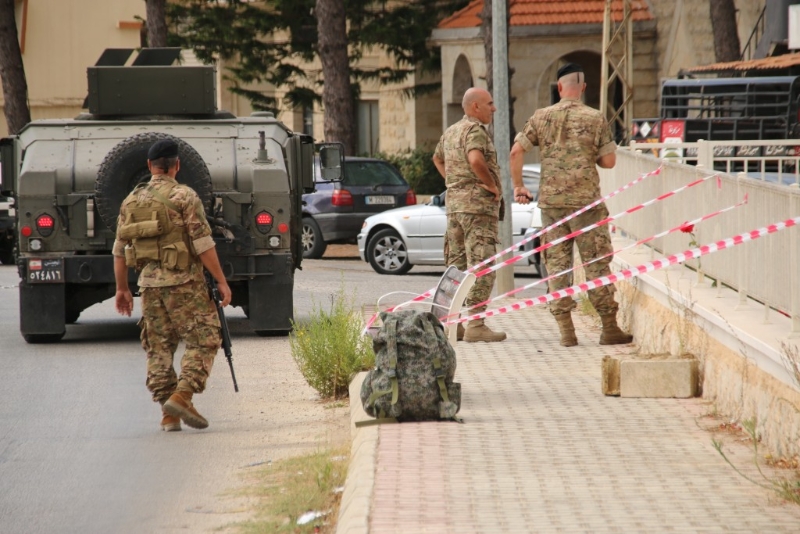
{"x": 124, "y": 303}
{"x": 493, "y": 190}
{"x": 522, "y": 195}
{"x": 224, "y": 292}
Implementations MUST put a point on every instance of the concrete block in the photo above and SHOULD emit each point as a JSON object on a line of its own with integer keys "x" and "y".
{"x": 650, "y": 376}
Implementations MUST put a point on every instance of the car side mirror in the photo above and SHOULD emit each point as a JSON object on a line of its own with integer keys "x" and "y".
{"x": 436, "y": 200}
{"x": 331, "y": 161}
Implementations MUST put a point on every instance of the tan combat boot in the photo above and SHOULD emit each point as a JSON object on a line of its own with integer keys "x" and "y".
{"x": 460, "y": 332}
{"x": 611, "y": 334}
{"x": 567, "y": 329}
{"x": 170, "y": 423}
{"x": 478, "y": 331}
{"x": 180, "y": 405}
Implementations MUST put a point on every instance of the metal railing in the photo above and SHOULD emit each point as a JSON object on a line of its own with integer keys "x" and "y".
{"x": 776, "y": 161}
{"x": 755, "y": 36}
{"x": 765, "y": 269}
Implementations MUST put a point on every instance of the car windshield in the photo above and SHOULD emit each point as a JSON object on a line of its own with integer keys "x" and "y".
{"x": 369, "y": 173}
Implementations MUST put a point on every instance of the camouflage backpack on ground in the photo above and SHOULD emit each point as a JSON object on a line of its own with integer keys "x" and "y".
{"x": 414, "y": 370}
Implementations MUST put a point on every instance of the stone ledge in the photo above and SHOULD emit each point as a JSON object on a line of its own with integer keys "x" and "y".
{"x": 650, "y": 376}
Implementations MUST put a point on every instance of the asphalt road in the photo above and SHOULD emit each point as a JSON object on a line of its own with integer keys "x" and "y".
{"x": 80, "y": 446}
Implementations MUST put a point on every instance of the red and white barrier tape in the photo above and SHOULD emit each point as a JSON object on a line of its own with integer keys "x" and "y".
{"x": 693, "y": 222}
{"x": 591, "y": 227}
{"x": 539, "y": 233}
{"x": 635, "y": 271}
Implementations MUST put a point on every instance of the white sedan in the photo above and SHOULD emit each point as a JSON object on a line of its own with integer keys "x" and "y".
{"x": 395, "y": 240}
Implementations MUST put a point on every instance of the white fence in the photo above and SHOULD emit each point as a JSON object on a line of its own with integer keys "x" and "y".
{"x": 767, "y": 269}
{"x": 776, "y": 161}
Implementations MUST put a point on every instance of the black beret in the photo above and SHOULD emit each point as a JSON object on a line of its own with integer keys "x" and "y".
{"x": 165, "y": 148}
{"x": 569, "y": 68}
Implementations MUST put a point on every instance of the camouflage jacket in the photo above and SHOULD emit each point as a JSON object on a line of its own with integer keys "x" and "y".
{"x": 464, "y": 194}
{"x": 191, "y": 218}
{"x": 572, "y": 136}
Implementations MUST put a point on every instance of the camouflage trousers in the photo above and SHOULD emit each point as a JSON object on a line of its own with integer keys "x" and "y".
{"x": 592, "y": 244}
{"x": 169, "y": 315}
{"x": 470, "y": 239}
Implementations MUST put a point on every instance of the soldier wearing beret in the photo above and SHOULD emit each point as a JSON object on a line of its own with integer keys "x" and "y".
{"x": 163, "y": 233}
{"x": 573, "y": 139}
{"x": 467, "y": 160}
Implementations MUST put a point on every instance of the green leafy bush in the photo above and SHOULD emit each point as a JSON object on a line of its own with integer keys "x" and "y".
{"x": 418, "y": 169}
{"x": 329, "y": 349}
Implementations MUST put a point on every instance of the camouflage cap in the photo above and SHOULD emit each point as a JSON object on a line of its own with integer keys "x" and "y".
{"x": 165, "y": 148}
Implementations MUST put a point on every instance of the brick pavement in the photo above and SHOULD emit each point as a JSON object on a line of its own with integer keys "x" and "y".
{"x": 542, "y": 450}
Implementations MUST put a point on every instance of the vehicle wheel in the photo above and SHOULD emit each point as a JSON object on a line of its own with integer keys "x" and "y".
{"x": 272, "y": 333}
{"x": 71, "y": 315}
{"x": 7, "y": 256}
{"x": 387, "y": 253}
{"x": 43, "y": 338}
{"x": 313, "y": 244}
{"x": 126, "y": 166}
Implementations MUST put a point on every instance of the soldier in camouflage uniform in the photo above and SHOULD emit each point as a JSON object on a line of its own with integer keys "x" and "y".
{"x": 467, "y": 160}
{"x": 162, "y": 231}
{"x": 573, "y": 138}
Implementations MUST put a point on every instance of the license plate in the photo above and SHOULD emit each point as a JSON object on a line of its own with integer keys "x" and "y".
{"x": 380, "y": 199}
{"x": 46, "y": 271}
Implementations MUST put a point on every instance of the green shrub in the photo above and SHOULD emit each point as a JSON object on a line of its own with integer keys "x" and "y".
{"x": 418, "y": 169}
{"x": 329, "y": 349}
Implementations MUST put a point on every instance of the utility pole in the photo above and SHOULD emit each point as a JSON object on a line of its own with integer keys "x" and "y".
{"x": 618, "y": 57}
{"x": 502, "y": 128}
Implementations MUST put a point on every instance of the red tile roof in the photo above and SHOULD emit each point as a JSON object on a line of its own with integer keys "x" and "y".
{"x": 774, "y": 62}
{"x": 543, "y": 12}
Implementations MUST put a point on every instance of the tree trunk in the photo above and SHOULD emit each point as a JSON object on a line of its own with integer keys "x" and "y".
{"x": 726, "y": 35}
{"x": 488, "y": 50}
{"x": 156, "y": 23}
{"x": 12, "y": 72}
{"x": 337, "y": 95}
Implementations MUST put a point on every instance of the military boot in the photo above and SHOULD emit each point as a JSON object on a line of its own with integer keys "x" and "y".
{"x": 478, "y": 331}
{"x": 170, "y": 423}
{"x": 460, "y": 332}
{"x": 180, "y": 405}
{"x": 611, "y": 334}
{"x": 567, "y": 329}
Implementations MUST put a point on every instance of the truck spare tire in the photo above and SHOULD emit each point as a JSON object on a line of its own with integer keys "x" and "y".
{"x": 125, "y": 166}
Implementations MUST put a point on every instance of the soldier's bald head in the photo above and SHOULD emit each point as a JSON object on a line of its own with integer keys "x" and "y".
{"x": 474, "y": 95}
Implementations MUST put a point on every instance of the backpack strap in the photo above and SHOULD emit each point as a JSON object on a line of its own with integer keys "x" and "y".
{"x": 439, "y": 372}
{"x": 161, "y": 198}
{"x": 379, "y": 421}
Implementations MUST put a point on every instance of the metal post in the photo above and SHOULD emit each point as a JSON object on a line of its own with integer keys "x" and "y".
{"x": 502, "y": 132}
{"x": 742, "y": 267}
{"x": 794, "y": 258}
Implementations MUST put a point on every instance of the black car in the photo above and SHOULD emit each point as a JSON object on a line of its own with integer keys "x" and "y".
{"x": 335, "y": 212}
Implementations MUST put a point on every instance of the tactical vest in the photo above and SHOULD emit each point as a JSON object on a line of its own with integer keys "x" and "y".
{"x": 152, "y": 235}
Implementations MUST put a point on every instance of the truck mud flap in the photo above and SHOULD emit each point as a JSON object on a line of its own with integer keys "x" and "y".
{"x": 271, "y": 304}
{"x": 41, "y": 311}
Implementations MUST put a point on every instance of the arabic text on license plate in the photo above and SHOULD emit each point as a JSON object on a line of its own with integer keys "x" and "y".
{"x": 45, "y": 271}
{"x": 380, "y": 199}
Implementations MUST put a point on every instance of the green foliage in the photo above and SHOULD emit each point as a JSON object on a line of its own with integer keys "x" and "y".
{"x": 270, "y": 39}
{"x": 418, "y": 169}
{"x": 329, "y": 349}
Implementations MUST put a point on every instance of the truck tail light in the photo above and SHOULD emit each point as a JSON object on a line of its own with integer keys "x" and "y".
{"x": 26, "y": 231}
{"x": 45, "y": 224}
{"x": 264, "y": 222}
{"x": 411, "y": 198}
{"x": 342, "y": 197}
{"x": 283, "y": 228}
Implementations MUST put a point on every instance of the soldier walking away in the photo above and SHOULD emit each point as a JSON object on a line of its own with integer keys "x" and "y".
{"x": 467, "y": 160}
{"x": 573, "y": 139}
{"x": 162, "y": 232}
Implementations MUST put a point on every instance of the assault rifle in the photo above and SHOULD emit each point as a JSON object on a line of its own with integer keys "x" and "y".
{"x": 213, "y": 291}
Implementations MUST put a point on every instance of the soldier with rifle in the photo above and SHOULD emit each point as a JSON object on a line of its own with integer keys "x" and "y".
{"x": 163, "y": 233}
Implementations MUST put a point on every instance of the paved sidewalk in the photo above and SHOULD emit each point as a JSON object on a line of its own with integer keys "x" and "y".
{"x": 542, "y": 450}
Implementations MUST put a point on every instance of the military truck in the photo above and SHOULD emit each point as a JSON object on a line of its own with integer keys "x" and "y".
{"x": 70, "y": 176}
